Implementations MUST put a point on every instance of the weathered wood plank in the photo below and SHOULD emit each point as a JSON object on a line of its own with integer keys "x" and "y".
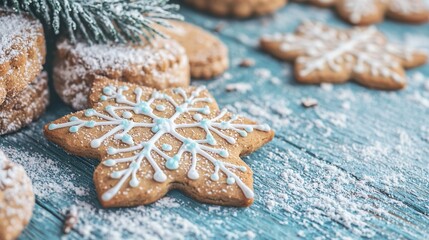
{"x": 356, "y": 166}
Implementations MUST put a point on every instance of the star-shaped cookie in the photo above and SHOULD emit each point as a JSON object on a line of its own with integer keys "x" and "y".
{"x": 150, "y": 142}
{"x": 325, "y": 54}
{"x": 365, "y": 12}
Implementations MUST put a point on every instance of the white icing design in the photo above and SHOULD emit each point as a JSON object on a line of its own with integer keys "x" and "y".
{"x": 407, "y": 6}
{"x": 359, "y": 9}
{"x": 197, "y": 148}
{"x": 363, "y": 49}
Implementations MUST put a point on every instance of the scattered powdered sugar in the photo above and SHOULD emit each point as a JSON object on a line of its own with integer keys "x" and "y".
{"x": 38, "y": 166}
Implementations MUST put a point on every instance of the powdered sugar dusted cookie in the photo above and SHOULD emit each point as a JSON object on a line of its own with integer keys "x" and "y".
{"x": 160, "y": 64}
{"x": 19, "y": 111}
{"x": 22, "y": 52}
{"x": 238, "y": 8}
{"x": 152, "y": 141}
{"x": 365, "y": 12}
{"x": 208, "y": 56}
{"x": 324, "y": 54}
{"x": 16, "y": 199}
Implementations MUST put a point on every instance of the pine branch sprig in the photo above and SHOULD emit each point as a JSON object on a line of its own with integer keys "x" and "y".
{"x": 100, "y": 21}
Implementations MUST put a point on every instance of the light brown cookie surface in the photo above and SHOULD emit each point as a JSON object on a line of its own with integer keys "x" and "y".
{"x": 160, "y": 64}
{"x": 366, "y": 12}
{"x": 324, "y": 54}
{"x": 238, "y": 8}
{"x": 16, "y": 199}
{"x": 208, "y": 56}
{"x": 22, "y": 52}
{"x": 152, "y": 141}
{"x": 19, "y": 111}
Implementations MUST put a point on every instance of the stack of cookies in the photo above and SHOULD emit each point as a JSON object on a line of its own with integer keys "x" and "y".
{"x": 23, "y": 86}
{"x": 161, "y": 63}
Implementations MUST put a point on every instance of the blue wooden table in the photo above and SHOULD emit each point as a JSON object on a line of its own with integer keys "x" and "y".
{"x": 355, "y": 166}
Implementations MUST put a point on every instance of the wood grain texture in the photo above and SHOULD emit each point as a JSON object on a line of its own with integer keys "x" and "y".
{"x": 356, "y": 166}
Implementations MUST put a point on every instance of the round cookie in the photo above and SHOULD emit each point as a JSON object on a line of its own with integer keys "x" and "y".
{"x": 208, "y": 56}
{"x": 238, "y": 8}
{"x": 16, "y": 199}
{"x": 22, "y": 52}
{"x": 19, "y": 111}
{"x": 160, "y": 64}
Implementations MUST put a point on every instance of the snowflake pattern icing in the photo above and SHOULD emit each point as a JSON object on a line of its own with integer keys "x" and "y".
{"x": 122, "y": 125}
{"x": 357, "y": 10}
{"x": 317, "y": 47}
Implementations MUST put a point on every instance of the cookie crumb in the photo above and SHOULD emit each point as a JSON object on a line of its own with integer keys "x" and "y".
{"x": 238, "y": 87}
{"x": 219, "y": 27}
{"x": 309, "y": 102}
{"x": 247, "y": 62}
{"x": 71, "y": 220}
{"x": 327, "y": 86}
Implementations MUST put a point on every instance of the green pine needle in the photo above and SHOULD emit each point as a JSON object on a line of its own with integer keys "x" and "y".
{"x": 99, "y": 21}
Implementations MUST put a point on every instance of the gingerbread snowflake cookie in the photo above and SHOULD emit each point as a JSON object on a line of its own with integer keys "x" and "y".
{"x": 16, "y": 199}
{"x": 365, "y": 12}
{"x": 208, "y": 56}
{"x": 22, "y": 52}
{"x": 150, "y": 142}
{"x": 160, "y": 64}
{"x": 238, "y": 8}
{"x": 325, "y": 54}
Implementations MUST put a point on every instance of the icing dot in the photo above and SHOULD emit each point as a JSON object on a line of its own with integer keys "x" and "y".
{"x": 224, "y": 125}
{"x": 205, "y": 110}
{"x": 230, "y": 180}
{"x": 108, "y": 195}
{"x": 159, "y": 176}
{"x": 73, "y": 129}
{"x": 120, "y": 98}
{"x": 103, "y": 98}
{"x": 108, "y": 90}
{"x": 134, "y": 182}
{"x": 243, "y": 168}
{"x": 89, "y": 112}
{"x": 52, "y": 126}
{"x": 223, "y": 153}
{"x": 243, "y": 133}
{"x": 214, "y": 177}
{"x": 230, "y": 140}
{"x": 127, "y": 114}
{"x": 198, "y": 117}
{"x": 210, "y": 140}
{"x": 73, "y": 119}
{"x": 248, "y": 129}
{"x": 265, "y": 127}
{"x": 160, "y": 108}
{"x": 126, "y": 138}
{"x": 109, "y": 163}
{"x": 111, "y": 151}
{"x": 134, "y": 166}
{"x": 95, "y": 143}
{"x": 193, "y": 174}
{"x": 90, "y": 124}
{"x": 115, "y": 175}
{"x": 138, "y": 91}
{"x": 166, "y": 147}
{"x": 172, "y": 163}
